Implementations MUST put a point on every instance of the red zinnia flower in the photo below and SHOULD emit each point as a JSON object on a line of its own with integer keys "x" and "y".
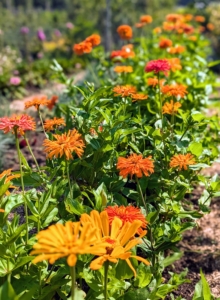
{"x": 135, "y": 165}
{"x": 156, "y": 66}
{"x": 17, "y": 123}
{"x": 126, "y": 214}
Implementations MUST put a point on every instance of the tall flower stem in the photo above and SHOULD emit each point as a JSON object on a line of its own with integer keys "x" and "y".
{"x": 161, "y": 116}
{"x": 73, "y": 276}
{"x": 106, "y": 265}
{"x": 42, "y": 123}
{"x": 32, "y": 154}
{"x": 141, "y": 194}
{"x": 68, "y": 176}
{"x": 92, "y": 72}
{"x": 22, "y": 183}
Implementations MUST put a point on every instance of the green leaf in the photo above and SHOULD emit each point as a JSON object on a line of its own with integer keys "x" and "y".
{"x": 22, "y": 261}
{"x": 74, "y": 207}
{"x": 7, "y": 292}
{"x": 171, "y": 259}
{"x": 16, "y": 234}
{"x": 196, "y": 148}
{"x": 144, "y": 275}
{"x": 4, "y": 188}
{"x": 213, "y": 63}
{"x": 50, "y": 217}
{"x": 205, "y": 288}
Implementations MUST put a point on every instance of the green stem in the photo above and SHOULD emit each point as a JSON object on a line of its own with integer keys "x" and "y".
{"x": 51, "y": 270}
{"x": 32, "y": 154}
{"x": 184, "y": 133}
{"x": 141, "y": 194}
{"x": 106, "y": 265}
{"x": 68, "y": 176}
{"x": 39, "y": 293}
{"x": 73, "y": 276}
{"x": 92, "y": 72}
{"x": 42, "y": 123}
{"x": 22, "y": 182}
{"x": 160, "y": 99}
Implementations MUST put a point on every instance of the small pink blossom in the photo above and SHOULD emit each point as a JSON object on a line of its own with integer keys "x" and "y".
{"x": 15, "y": 80}
{"x": 69, "y": 25}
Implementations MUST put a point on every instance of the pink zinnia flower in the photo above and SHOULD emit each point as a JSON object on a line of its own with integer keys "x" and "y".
{"x": 156, "y": 66}
{"x": 17, "y": 123}
{"x": 15, "y": 80}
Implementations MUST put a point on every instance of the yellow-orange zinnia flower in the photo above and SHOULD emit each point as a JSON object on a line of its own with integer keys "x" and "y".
{"x": 192, "y": 38}
{"x": 153, "y": 81}
{"x": 157, "y": 30}
{"x": 2, "y": 210}
{"x": 181, "y": 161}
{"x": 135, "y": 165}
{"x": 138, "y": 97}
{"x": 53, "y": 123}
{"x": 174, "y": 63}
{"x": 171, "y": 108}
{"x": 36, "y": 102}
{"x": 176, "y": 49}
{"x": 68, "y": 240}
{"x": 146, "y": 19}
{"x": 119, "y": 236}
{"x": 125, "y": 32}
{"x": 8, "y": 177}
{"x": 174, "y": 18}
{"x": 64, "y": 145}
{"x": 174, "y": 90}
{"x": 188, "y": 17}
{"x": 124, "y": 90}
{"x": 123, "y": 69}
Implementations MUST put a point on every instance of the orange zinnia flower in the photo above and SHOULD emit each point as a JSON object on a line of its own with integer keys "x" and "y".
{"x": 126, "y": 214}
{"x": 210, "y": 26}
{"x": 171, "y": 108}
{"x": 64, "y": 145}
{"x": 140, "y": 25}
{"x": 69, "y": 240}
{"x": 165, "y": 43}
{"x": 8, "y": 177}
{"x": 53, "y": 123}
{"x": 200, "y": 19}
{"x": 94, "y": 39}
{"x": 123, "y": 69}
{"x": 52, "y": 102}
{"x": 124, "y": 90}
{"x": 176, "y": 49}
{"x": 157, "y": 30}
{"x": 174, "y": 63}
{"x": 2, "y": 210}
{"x": 181, "y": 161}
{"x": 138, "y": 97}
{"x": 192, "y": 38}
{"x": 118, "y": 236}
{"x": 135, "y": 165}
{"x": 188, "y": 17}
{"x": 146, "y": 19}
{"x": 174, "y": 90}
{"x": 125, "y": 32}
{"x": 36, "y": 102}
{"x": 17, "y": 124}
{"x": 154, "y": 81}
{"x": 174, "y": 18}
{"x": 82, "y": 48}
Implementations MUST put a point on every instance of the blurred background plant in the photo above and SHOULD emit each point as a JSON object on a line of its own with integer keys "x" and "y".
{"x": 33, "y": 32}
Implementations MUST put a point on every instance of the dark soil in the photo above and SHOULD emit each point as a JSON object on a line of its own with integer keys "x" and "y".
{"x": 201, "y": 248}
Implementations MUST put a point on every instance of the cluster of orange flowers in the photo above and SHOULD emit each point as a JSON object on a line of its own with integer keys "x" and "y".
{"x": 171, "y": 108}
{"x": 109, "y": 235}
{"x": 144, "y": 20}
{"x": 87, "y": 45}
{"x": 125, "y": 32}
{"x": 41, "y": 101}
{"x": 174, "y": 90}
{"x": 129, "y": 91}
{"x": 125, "y": 52}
